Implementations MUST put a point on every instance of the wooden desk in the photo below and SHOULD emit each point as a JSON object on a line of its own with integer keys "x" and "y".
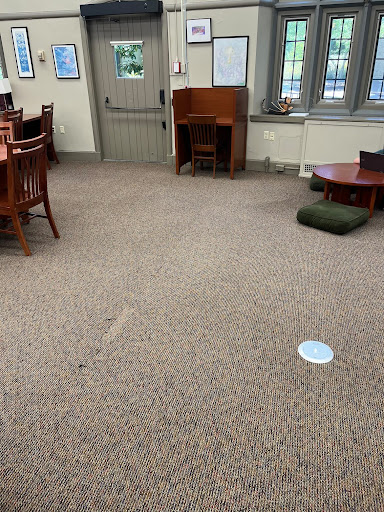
{"x": 27, "y": 118}
{"x": 345, "y": 176}
{"x": 31, "y": 125}
{"x": 230, "y": 105}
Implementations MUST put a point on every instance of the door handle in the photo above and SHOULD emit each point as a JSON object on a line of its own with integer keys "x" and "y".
{"x": 126, "y": 109}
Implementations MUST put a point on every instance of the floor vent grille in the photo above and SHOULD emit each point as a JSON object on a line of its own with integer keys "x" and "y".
{"x": 306, "y": 168}
{"x": 309, "y": 167}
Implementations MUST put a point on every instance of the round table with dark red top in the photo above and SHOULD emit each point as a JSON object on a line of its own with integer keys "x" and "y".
{"x": 344, "y": 177}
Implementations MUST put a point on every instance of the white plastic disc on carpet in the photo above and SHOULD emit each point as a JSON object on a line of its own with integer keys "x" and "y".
{"x": 315, "y": 352}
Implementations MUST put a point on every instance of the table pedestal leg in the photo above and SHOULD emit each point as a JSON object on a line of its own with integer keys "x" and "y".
{"x": 341, "y": 194}
{"x": 365, "y": 198}
{"x": 327, "y": 189}
{"x": 372, "y": 202}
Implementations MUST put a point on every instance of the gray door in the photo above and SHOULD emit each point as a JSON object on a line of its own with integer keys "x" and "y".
{"x": 131, "y": 120}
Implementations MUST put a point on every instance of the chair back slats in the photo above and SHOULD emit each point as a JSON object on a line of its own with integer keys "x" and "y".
{"x": 16, "y": 116}
{"x": 30, "y": 176}
{"x": 46, "y": 127}
{"x": 203, "y": 134}
{"x": 46, "y": 121}
{"x": 6, "y": 132}
{"x": 27, "y": 178}
{"x": 202, "y": 129}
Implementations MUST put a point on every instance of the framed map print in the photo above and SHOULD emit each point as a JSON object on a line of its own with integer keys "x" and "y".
{"x": 230, "y": 59}
{"x": 22, "y": 52}
{"x": 64, "y": 56}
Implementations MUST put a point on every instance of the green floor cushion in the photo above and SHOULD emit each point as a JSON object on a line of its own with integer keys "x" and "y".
{"x": 333, "y": 217}
{"x": 316, "y": 183}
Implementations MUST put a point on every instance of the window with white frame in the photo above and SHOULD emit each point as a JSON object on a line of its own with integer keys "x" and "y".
{"x": 339, "y": 48}
{"x": 376, "y": 89}
{"x": 330, "y": 58}
{"x": 291, "y": 53}
{"x": 293, "y": 57}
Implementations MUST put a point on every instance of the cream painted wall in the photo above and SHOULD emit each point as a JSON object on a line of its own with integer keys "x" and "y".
{"x": 35, "y": 6}
{"x": 236, "y": 21}
{"x": 262, "y": 58}
{"x": 286, "y": 147}
{"x": 71, "y": 97}
{"x": 72, "y": 108}
{"x": 57, "y": 5}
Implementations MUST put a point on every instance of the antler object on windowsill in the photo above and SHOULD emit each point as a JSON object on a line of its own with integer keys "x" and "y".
{"x": 277, "y": 107}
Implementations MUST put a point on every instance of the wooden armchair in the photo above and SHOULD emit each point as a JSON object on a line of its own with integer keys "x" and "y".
{"x": 6, "y": 135}
{"x": 16, "y": 116}
{"x": 7, "y": 132}
{"x": 46, "y": 127}
{"x": 27, "y": 186}
{"x": 202, "y": 131}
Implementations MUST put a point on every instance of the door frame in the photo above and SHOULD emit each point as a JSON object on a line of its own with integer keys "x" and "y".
{"x": 92, "y": 89}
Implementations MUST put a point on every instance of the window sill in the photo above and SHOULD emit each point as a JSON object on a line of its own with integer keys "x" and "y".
{"x": 270, "y": 118}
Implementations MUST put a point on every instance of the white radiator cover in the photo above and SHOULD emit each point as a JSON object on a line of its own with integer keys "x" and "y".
{"x": 326, "y": 142}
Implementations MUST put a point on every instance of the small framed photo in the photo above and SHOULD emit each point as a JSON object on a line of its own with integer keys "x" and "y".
{"x": 199, "y": 31}
{"x": 230, "y": 60}
{"x": 22, "y": 52}
{"x": 64, "y": 57}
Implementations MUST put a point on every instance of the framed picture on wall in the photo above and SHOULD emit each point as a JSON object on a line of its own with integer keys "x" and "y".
{"x": 199, "y": 31}
{"x": 22, "y": 52}
{"x": 229, "y": 61}
{"x": 64, "y": 57}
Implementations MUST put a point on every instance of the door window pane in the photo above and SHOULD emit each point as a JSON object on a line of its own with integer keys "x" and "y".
{"x": 377, "y": 78}
{"x": 293, "y": 58}
{"x": 129, "y": 60}
{"x": 339, "y": 48}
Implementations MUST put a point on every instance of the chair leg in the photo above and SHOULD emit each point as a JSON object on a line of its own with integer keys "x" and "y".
{"x": 193, "y": 166}
{"x": 49, "y": 165}
{"x": 214, "y": 167}
{"x": 48, "y": 211}
{"x": 19, "y": 233}
{"x": 201, "y": 165}
{"x": 52, "y": 150}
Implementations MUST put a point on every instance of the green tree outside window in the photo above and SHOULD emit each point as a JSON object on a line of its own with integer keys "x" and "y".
{"x": 129, "y": 61}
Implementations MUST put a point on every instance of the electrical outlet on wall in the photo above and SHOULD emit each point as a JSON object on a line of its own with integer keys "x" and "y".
{"x": 41, "y": 55}
{"x": 53, "y": 129}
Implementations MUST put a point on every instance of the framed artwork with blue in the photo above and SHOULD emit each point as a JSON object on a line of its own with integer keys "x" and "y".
{"x": 22, "y": 52}
{"x": 64, "y": 56}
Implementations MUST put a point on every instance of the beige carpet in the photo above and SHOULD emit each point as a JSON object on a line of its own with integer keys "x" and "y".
{"x": 148, "y": 358}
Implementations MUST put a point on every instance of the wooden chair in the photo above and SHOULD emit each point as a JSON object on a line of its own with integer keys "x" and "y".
{"x": 16, "y": 116}
{"x": 27, "y": 186}
{"x": 202, "y": 131}
{"x": 6, "y": 135}
{"x": 7, "y": 132}
{"x": 46, "y": 127}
